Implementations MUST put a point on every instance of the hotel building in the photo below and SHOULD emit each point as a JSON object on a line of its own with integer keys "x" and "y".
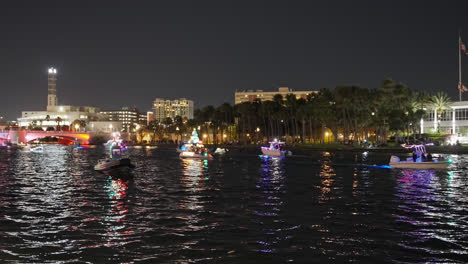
{"x": 251, "y": 95}
{"x": 163, "y": 109}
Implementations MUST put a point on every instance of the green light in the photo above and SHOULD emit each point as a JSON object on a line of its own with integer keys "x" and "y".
{"x": 450, "y": 161}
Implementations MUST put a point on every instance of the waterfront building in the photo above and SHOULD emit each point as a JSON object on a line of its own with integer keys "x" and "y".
{"x": 163, "y": 109}
{"x": 56, "y": 115}
{"x": 149, "y": 117}
{"x": 251, "y": 95}
{"x": 130, "y": 118}
{"x": 142, "y": 118}
{"x": 105, "y": 126}
{"x": 453, "y": 121}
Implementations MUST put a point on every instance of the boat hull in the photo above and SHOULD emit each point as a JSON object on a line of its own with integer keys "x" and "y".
{"x": 192, "y": 155}
{"x": 113, "y": 164}
{"x": 419, "y": 165}
{"x": 273, "y": 153}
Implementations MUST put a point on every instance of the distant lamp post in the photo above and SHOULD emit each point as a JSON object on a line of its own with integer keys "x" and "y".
{"x": 326, "y": 136}
{"x": 258, "y": 129}
{"x": 177, "y": 128}
{"x": 198, "y": 127}
{"x": 373, "y": 113}
{"x": 77, "y": 127}
{"x": 137, "y": 127}
{"x": 205, "y": 135}
{"x": 110, "y": 127}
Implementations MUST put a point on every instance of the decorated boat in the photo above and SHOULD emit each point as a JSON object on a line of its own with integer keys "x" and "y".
{"x": 276, "y": 149}
{"x": 420, "y": 160}
{"x": 115, "y": 161}
{"x": 194, "y": 149}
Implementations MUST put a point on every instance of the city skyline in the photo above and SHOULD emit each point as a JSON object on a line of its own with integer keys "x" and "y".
{"x": 117, "y": 55}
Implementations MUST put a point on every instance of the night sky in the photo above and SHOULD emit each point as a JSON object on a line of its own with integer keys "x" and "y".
{"x": 126, "y": 53}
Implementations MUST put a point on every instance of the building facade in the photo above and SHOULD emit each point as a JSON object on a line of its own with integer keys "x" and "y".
{"x": 251, "y": 95}
{"x": 452, "y": 121}
{"x": 130, "y": 118}
{"x": 163, "y": 109}
{"x": 56, "y": 115}
{"x": 105, "y": 126}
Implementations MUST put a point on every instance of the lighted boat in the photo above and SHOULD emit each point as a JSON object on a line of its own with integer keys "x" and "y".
{"x": 419, "y": 160}
{"x": 194, "y": 155}
{"x": 115, "y": 161}
{"x": 220, "y": 151}
{"x": 194, "y": 149}
{"x": 276, "y": 149}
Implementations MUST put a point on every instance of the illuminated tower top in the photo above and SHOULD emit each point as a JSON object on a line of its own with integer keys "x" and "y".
{"x": 52, "y": 91}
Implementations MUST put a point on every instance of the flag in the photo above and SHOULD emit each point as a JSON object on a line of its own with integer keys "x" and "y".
{"x": 462, "y": 88}
{"x": 463, "y": 48}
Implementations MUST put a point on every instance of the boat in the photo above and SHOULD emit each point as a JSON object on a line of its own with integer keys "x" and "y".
{"x": 220, "y": 151}
{"x": 194, "y": 155}
{"x": 115, "y": 161}
{"x": 194, "y": 149}
{"x": 37, "y": 149}
{"x": 419, "y": 160}
{"x": 276, "y": 149}
{"x": 105, "y": 165}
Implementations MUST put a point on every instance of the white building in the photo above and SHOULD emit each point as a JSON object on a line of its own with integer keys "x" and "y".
{"x": 251, "y": 95}
{"x": 452, "y": 121}
{"x": 105, "y": 126}
{"x": 56, "y": 115}
{"x": 163, "y": 109}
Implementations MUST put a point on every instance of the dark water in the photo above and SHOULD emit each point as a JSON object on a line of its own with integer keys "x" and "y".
{"x": 235, "y": 209}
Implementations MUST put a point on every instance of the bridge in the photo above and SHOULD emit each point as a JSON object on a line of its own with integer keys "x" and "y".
{"x": 25, "y": 136}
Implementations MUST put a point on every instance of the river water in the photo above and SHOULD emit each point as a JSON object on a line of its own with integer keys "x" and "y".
{"x": 239, "y": 208}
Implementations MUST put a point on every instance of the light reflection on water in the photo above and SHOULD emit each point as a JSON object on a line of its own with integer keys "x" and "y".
{"x": 236, "y": 208}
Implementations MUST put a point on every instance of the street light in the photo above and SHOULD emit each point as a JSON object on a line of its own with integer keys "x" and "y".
{"x": 77, "y": 127}
{"x": 326, "y": 136}
{"x": 110, "y": 127}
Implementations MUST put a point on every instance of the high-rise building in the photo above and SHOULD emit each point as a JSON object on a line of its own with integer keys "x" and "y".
{"x": 163, "y": 109}
{"x": 251, "y": 95}
{"x": 52, "y": 101}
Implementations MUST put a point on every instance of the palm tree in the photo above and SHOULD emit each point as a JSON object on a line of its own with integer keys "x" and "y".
{"x": 58, "y": 120}
{"x": 439, "y": 102}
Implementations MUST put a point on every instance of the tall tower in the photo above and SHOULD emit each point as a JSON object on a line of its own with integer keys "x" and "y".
{"x": 52, "y": 91}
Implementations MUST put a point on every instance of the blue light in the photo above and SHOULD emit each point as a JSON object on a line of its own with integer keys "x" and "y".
{"x": 380, "y": 166}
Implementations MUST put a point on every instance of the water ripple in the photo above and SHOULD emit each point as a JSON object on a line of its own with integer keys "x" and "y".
{"x": 237, "y": 208}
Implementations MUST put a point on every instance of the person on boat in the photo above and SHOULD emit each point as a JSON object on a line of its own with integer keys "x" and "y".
{"x": 429, "y": 157}
{"x": 423, "y": 157}
{"x": 415, "y": 157}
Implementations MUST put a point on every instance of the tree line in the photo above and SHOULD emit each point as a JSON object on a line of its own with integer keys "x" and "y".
{"x": 346, "y": 113}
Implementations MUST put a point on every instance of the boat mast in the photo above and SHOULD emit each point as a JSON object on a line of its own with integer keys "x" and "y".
{"x": 459, "y": 67}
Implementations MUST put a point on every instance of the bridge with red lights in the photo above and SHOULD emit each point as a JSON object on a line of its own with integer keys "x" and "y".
{"x": 25, "y": 136}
